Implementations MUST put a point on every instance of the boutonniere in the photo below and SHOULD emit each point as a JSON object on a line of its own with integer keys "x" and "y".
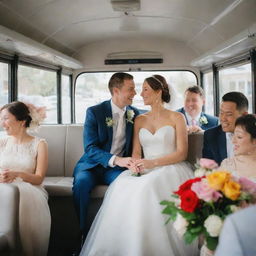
{"x": 130, "y": 114}
{"x": 109, "y": 122}
{"x": 203, "y": 120}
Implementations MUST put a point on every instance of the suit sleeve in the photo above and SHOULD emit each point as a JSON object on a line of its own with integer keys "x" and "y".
{"x": 207, "y": 153}
{"x": 92, "y": 143}
{"x": 229, "y": 241}
{"x": 217, "y": 122}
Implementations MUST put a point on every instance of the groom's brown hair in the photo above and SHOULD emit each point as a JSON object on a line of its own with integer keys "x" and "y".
{"x": 117, "y": 80}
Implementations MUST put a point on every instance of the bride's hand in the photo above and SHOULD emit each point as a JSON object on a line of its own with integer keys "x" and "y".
{"x": 7, "y": 176}
{"x": 135, "y": 168}
{"x": 143, "y": 164}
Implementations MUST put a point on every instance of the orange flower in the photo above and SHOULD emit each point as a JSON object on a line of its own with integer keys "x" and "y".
{"x": 217, "y": 180}
{"x": 231, "y": 190}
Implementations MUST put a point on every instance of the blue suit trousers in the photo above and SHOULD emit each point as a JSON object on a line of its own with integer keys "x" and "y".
{"x": 84, "y": 182}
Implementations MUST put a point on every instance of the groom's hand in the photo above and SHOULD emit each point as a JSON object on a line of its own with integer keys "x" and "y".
{"x": 124, "y": 161}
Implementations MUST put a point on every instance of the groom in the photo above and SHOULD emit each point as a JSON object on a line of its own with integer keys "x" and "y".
{"x": 108, "y": 132}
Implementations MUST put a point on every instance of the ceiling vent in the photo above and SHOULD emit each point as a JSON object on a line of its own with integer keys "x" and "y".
{"x": 125, "y": 5}
{"x": 134, "y": 57}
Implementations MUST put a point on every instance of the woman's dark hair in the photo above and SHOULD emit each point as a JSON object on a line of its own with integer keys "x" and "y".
{"x": 19, "y": 110}
{"x": 248, "y": 122}
{"x": 157, "y": 82}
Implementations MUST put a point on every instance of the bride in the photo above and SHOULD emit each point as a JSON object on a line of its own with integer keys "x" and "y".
{"x": 130, "y": 221}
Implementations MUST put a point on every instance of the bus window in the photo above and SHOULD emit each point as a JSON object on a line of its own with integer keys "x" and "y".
{"x": 65, "y": 99}
{"x": 237, "y": 78}
{"x": 39, "y": 87}
{"x": 208, "y": 90}
{"x": 92, "y": 88}
{"x": 3, "y": 83}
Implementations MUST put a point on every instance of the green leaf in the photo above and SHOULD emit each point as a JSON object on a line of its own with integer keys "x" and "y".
{"x": 211, "y": 242}
{"x": 165, "y": 202}
{"x": 196, "y": 230}
{"x": 172, "y": 211}
{"x": 189, "y": 237}
{"x": 187, "y": 215}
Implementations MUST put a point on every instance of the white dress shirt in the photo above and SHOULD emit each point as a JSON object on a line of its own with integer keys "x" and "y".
{"x": 230, "y": 146}
{"x": 196, "y": 119}
{"x": 118, "y": 141}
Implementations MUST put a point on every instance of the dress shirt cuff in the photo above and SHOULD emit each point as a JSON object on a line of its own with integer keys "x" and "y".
{"x": 111, "y": 161}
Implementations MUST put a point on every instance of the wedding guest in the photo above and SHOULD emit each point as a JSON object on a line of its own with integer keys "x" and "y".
{"x": 196, "y": 119}
{"x": 244, "y": 161}
{"x": 218, "y": 140}
{"x": 108, "y": 131}
{"x": 130, "y": 221}
{"x": 238, "y": 234}
{"x": 23, "y": 163}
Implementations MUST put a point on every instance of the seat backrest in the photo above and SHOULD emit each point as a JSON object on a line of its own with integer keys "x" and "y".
{"x": 74, "y": 148}
{"x": 65, "y": 144}
{"x": 195, "y": 145}
{"x": 55, "y": 136}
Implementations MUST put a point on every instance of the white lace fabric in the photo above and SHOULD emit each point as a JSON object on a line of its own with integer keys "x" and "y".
{"x": 34, "y": 214}
{"x": 21, "y": 157}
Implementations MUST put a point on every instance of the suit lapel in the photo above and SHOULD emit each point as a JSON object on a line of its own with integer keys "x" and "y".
{"x": 203, "y": 126}
{"x": 183, "y": 112}
{"x": 128, "y": 132}
{"x": 108, "y": 113}
{"x": 222, "y": 145}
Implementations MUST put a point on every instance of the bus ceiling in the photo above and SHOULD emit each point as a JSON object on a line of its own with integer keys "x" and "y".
{"x": 81, "y": 34}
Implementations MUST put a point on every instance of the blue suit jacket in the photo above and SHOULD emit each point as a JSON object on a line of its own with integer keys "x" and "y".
{"x": 98, "y": 137}
{"x": 212, "y": 120}
{"x": 215, "y": 144}
{"x": 238, "y": 236}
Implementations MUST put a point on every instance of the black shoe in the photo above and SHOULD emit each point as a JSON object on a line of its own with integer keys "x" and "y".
{"x": 82, "y": 241}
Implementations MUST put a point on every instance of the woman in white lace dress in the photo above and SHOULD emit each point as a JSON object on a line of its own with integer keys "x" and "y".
{"x": 23, "y": 162}
{"x": 130, "y": 222}
{"x": 244, "y": 140}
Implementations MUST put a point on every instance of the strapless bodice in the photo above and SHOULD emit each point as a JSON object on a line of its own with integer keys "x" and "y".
{"x": 161, "y": 143}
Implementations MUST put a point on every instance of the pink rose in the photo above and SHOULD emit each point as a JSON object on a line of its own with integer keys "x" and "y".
{"x": 247, "y": 185}
{"x": 208, "y": 163}
{"x": 205, "y": 192}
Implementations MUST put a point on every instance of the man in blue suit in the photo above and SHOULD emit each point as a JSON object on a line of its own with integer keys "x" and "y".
{"x": 218, "y": 140}
{"x": 192, "y": 110}
{"x": 108, "y": 132}
{"x": 238, "y": 236}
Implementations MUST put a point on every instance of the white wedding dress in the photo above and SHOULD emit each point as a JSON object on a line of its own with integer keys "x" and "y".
{"x": 34, "y": 214}
{"x": 130, "y": 222}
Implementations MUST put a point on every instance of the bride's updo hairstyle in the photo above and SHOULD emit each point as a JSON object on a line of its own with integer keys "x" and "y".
{"x": 248, "y": 123}
{"x": 19, "y": 110}
{"x": 157, "y": 82}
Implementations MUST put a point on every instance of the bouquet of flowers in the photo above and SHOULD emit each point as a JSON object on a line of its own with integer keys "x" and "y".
{"x": 201, "y": 204}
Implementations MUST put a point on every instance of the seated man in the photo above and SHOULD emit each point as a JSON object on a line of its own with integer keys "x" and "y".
{"x": 192, "y": 110}
{"x": 218, "y": 140}
{"x": 238, "y": 234}
{"x": 108, "y": 132}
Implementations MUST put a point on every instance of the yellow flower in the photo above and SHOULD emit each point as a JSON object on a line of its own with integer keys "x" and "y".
{"x": 216, "y": 180}
{"x": 231, "y": 190}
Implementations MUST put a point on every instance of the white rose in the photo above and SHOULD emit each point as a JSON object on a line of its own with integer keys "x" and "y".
{"x": 234, "y": 208}
{"x": 200, "y": 172}
{"x": 213, "y": 225}
{"x": 180, "y": 224}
